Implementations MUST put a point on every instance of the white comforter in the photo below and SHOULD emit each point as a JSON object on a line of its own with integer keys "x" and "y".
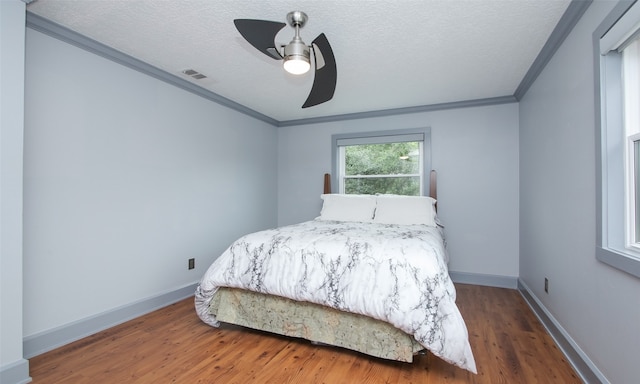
{"x": 395, "y": 273}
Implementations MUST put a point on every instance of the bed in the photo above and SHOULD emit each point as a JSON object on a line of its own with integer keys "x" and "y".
{"x": 369, "y": 274}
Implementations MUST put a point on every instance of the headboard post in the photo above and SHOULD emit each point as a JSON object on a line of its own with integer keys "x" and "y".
{"x": 433, "y": 188}
{"x": 327, "y": 184}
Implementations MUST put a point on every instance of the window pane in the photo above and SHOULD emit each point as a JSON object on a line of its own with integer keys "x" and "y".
{"x": 631, "y": 87}
{"x": 372, "y": 185}
{"x": 631, "y": 79}
{"x": 383, "y": 159}
{"x": 636, "y": 187}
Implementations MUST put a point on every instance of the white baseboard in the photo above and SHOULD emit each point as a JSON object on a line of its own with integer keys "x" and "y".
{"x": 487, "y": 280}
{"x": 587, "y": 370}
{"x": 48, "y": 340}
{"x": 15, "y": 373}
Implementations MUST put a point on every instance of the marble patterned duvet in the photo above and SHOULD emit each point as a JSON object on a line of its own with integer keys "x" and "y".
{"x": 394, "y": 273}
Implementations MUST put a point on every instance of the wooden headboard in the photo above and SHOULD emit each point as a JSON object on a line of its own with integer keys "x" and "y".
{"x": 433, "y": 190}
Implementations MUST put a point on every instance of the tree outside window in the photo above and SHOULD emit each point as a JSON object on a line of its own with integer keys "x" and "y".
{"x": 383, "y": 168}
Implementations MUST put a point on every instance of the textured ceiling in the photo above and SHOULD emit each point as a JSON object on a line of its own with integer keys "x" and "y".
{"x": 390, "y": 53}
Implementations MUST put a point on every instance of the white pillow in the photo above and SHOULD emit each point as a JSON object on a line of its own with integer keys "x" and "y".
{"x": 397, "y": 209}
{"x": 348, "y": 207}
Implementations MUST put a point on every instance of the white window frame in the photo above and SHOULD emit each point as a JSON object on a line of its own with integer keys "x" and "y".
{"x": 612, "y": 203}
{"x": 339, "y": 141}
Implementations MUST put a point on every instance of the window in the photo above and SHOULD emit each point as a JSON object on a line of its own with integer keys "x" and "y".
{"x": 382, "y": 162}
{"x": 631, "y": 97}
{"x": 381, "y": 168}
{"x": 618, "y": 138}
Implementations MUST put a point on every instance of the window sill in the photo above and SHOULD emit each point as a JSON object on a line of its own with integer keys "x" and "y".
{"x": 620, "y": 260}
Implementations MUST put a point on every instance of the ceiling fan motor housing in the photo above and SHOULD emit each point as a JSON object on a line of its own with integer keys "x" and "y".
{"x": 296, "y": 48}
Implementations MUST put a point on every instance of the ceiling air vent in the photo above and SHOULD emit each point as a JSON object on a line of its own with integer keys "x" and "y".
{"x": 195, "y": 74}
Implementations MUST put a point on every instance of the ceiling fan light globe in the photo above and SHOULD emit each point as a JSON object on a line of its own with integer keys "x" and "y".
{"x": 296, "y": 65}
{"x": 296, "y": 56}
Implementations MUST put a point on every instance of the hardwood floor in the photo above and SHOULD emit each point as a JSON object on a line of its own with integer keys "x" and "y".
{"x": 172, "y": 345}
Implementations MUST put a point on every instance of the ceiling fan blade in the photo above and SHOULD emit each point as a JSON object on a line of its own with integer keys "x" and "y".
{"x": 261, "y": 34}
{"x": 326, "y": 75}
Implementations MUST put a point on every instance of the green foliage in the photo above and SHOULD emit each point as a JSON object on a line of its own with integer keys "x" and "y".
{"x": 383, "y": 159}
{"x": 395, "y": 185}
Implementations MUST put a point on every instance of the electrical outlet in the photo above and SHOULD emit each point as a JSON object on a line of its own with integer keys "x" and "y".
{"x": 192, "y": 263}
{"x": 546, "y": 285}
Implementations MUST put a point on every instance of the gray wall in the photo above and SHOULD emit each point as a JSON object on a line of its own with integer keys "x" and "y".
{"x": 125, "y": 178}
{"x": 474, "y": 150}
{"x": 598, "y": 306}
{"x": 13, "y": 368}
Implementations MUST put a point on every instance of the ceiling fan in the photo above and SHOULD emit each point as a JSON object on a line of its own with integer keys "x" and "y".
{"x": 295, "y": 55}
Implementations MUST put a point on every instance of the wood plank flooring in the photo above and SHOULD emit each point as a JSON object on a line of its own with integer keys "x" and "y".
{"x": 172, "y": 345}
